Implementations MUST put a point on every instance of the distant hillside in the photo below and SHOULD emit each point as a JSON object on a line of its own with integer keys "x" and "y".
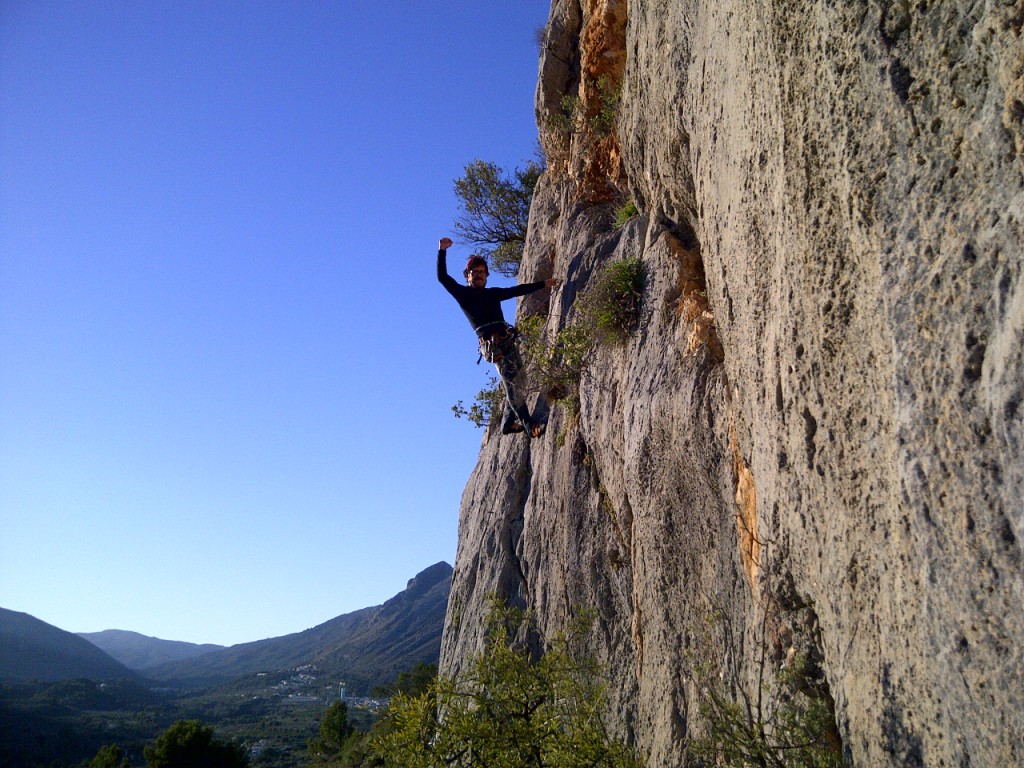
{"x": 140, "y": 652}
{"x": 365, "y": 648}
{"x": 31, "y": 649}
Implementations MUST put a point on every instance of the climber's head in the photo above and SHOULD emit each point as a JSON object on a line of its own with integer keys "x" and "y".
{"x": 476, "y": 271}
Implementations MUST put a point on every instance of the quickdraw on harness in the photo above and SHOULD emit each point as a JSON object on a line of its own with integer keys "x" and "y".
{"x": 494, "y": 340}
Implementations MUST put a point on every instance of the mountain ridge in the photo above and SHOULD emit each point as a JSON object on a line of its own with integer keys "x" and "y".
{"x": 31, "y": 649}
{"x": 139, "y": 652}
{"x": 365, "y": 648}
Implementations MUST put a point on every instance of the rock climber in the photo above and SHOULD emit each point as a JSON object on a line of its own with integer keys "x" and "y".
{"x": 497, "y": 339}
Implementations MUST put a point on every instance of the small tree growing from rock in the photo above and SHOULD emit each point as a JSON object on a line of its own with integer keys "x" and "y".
{"x": 496, "y": 211}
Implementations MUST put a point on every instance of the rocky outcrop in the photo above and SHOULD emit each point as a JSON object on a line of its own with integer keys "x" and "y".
{"x": 813, "y": 442}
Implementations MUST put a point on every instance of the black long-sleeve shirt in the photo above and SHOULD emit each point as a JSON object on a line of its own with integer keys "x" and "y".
{"x": 482, "y": 306}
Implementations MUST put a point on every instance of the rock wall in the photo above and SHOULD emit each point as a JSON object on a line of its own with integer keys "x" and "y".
{"x": 813, "y": 442}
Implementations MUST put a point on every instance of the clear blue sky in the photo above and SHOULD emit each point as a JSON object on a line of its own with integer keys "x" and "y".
{"x": 226, "y": 367}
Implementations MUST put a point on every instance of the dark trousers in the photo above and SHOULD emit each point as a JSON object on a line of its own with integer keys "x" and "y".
{"x": 513, "y": 379}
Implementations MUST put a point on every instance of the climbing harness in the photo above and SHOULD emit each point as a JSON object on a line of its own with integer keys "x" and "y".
{"x": 494, "y": 342}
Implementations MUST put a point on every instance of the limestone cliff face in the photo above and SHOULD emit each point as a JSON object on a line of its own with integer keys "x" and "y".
{"x": 814, "y": 441}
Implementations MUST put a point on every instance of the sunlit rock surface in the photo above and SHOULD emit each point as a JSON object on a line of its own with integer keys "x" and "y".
{"x": 813, "y": 443}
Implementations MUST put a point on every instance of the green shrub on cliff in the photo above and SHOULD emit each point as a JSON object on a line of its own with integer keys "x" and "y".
{"x": 490, "y": 400}
{"x": 599, "y": 118}
{"x": 607, "y": 313}
{"x": 602, "y": 121}
{"x": 554, "y": 367}
{"x": 611, "y": 306}
{"x": 626, "y": 212}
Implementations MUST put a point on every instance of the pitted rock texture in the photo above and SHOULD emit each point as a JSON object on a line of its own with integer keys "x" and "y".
{"x": 820, "y": 413}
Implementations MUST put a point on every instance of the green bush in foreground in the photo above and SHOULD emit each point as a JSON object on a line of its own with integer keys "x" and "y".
{"x": 787, "y": 720}
{"x": 110, "y": 756}
{"x": 506, "y": 710}
{"x": 191, "y": 744}
{"x": 334, "y": 733}
{"x": 789, "y": 730}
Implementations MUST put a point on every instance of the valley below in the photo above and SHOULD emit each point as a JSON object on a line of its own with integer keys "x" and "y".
{"x": 63, "y": 696}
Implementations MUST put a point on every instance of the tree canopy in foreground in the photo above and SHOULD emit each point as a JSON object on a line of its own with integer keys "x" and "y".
{"x": 507, "y": 710}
